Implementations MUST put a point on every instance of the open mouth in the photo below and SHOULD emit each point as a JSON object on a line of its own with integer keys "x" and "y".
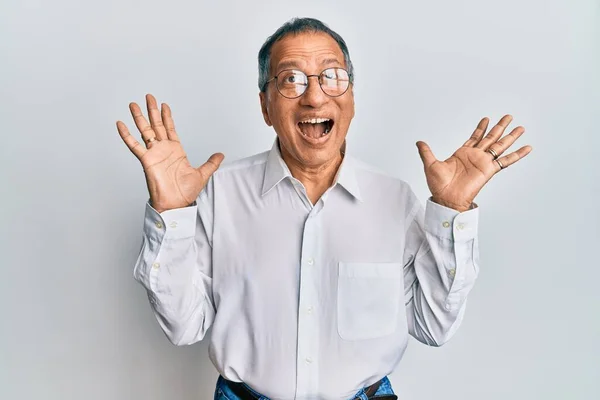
{"x": 315, "y": 127}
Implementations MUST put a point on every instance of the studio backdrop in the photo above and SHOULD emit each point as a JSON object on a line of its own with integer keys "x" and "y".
{"x": 75, "y": 324}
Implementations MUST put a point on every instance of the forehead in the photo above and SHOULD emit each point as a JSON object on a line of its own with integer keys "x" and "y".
{"x": 306, "y": 49}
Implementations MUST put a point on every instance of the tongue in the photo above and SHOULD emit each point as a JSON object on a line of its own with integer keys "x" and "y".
{"x": 313, "y": 130}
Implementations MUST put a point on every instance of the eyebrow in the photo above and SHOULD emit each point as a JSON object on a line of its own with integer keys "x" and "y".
{"x": 294, "y": 64}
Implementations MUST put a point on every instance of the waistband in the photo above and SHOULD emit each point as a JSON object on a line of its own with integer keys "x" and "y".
{"x": 244, "y": 393}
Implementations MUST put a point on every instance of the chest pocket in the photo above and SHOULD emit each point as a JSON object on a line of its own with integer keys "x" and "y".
{"x": 368, "y": 299}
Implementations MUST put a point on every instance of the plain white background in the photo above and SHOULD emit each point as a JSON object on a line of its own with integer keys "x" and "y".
{"x": 75, "y": 325}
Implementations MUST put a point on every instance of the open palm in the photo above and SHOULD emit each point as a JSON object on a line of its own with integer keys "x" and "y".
{"x": 172, "y": 182}
{"x": 456, "y": 181}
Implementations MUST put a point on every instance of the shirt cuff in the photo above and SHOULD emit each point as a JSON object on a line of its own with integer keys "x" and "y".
{"x": 179, "y": 223}
{"x": 451, "y": 224}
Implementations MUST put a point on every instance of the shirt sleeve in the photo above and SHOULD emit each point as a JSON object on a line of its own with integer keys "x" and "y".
{"x": 441, "y": 263}
{"x": 175, "y": 268}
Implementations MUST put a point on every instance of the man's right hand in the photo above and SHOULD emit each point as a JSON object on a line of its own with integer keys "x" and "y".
{"x": 172, "y": 181}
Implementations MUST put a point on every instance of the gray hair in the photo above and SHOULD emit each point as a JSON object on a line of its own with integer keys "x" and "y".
{"x": 296, "y": 26}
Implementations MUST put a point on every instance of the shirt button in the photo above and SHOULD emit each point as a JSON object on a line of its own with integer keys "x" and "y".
{"x": 158, "y": 224}
{"x": 310, "y": 261}
{"x": 173, "y": 224}
{"x": 461, "y": 226}
{"x": 156, "y": 265}
{"x": 309, "y": 309}
{"x": 308, "y": 360}
{"x": 452, "y": 272}
{"x": 446, "y": 224}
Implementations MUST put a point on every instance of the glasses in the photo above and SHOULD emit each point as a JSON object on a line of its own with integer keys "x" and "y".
{"x": 292, "y": 83}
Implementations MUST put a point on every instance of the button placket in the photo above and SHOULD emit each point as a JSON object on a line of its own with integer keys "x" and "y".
{"x": 308, "y": 338}
{"x": 301, "y": 191}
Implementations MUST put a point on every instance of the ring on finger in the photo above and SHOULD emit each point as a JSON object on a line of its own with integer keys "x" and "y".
{"x": 500, "y": 164}
{"x": 152, "y": 139}
{"x": 493, "y": 153}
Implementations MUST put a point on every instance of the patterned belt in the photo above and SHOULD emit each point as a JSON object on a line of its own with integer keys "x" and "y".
{"x": 243, "y": 393}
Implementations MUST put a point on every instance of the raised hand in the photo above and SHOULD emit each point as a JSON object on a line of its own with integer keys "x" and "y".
{"x": 172, "y": 182}
{"x": 456, "y": 181}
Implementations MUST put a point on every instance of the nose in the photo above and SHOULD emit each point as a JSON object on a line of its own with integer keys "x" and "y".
{"x": 313, "y": 96}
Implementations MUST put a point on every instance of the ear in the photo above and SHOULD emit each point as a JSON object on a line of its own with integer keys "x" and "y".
{"x": 263, "y": 106}
{"x": 353, "y": 103}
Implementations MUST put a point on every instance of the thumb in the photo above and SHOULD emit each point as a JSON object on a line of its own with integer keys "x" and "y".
{"x": 426, "y": 154}
{"x": 211, "y": 165}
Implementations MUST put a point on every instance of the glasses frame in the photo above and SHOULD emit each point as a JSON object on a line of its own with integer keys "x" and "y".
{"x": 318, "y": 76}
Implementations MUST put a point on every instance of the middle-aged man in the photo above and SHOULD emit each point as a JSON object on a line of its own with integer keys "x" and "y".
{"x": 311, "y": 266}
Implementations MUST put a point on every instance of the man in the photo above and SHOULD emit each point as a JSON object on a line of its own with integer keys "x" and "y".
{"x": 311, "y": 267}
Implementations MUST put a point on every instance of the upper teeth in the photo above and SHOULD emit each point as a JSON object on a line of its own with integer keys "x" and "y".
{"x": 314, "y": 121}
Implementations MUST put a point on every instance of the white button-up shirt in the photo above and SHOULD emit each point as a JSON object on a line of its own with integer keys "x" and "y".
{"x": 307, "y": 301}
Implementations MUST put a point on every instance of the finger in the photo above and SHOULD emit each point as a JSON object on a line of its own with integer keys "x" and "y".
{"x": 141, "y": 123}
{"x": 495, "y": 133}
{"x": 426, "y": 154}
{"x": 155, "y": 118}
{"x": 501, "y": 145}
{"x": 478, "y": 133}
{"x": 513, "y": 157}
{"x": 136, "y": 148}
{"x": 210, "y": 166}
{"x": 167, "y": 118}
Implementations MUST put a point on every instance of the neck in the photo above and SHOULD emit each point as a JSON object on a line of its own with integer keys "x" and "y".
{"x": 317, "y": 179}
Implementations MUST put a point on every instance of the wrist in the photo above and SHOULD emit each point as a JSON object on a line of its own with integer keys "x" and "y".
{"x": 455, "y": 206}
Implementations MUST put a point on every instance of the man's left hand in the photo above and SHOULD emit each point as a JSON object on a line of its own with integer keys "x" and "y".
{"x": 454, "y": 183}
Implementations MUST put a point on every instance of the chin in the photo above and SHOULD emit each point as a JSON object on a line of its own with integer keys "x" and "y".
{"x": 321, "y": 155}
{"x": 311, "y": 151}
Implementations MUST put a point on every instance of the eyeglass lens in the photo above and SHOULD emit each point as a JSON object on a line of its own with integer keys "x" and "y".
{"x": 292, "y": 83}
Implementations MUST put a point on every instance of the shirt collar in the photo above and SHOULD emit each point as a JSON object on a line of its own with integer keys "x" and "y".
{"x": 276, "y": 170}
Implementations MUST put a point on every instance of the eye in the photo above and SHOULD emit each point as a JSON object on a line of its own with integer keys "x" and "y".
{"x": 329, "y": 74}
{"x": 290, "y": 78}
